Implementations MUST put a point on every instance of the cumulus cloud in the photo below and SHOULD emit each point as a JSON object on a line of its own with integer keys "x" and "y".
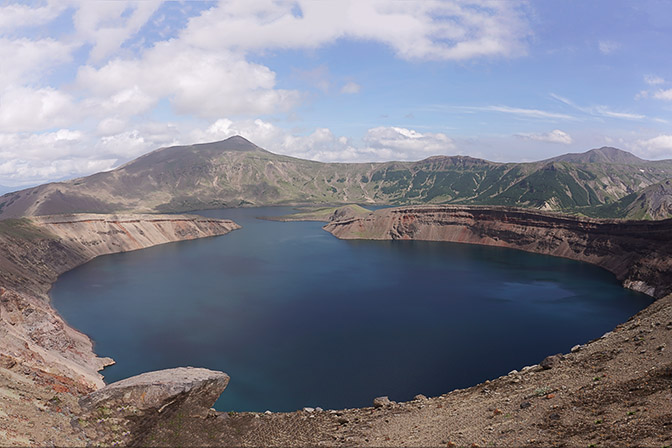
{"x": 107, "y": 25}
{"x": 34, "y": 158}
{"x": 27, "y": 158}
{"x": 18, "y": 15}
{"x": 351, "y": 88}
{"x": 554, "y": 136}
{"x": 26, "y": 61}
{"x": 663, "y": 94}
{"x": 453, "y": 30}
{"x": 23, "y": 109}
{"x": 402, "y": 141}
{"x": 198, "y": 82}
{"x": 656, "y": 147}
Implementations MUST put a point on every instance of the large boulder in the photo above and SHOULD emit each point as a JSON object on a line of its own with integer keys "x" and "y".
{"x": 193, "y": 390}
{"x": 122, "y": 412}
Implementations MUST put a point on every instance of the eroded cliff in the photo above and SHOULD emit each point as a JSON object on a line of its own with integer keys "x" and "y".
{"x": 639, "y": 253}
{"x": 52, "y": 356}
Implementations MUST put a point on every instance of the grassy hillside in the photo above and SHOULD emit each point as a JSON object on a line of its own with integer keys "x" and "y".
{"x": 653, "y": 202}
{"x": 235, "y": 172}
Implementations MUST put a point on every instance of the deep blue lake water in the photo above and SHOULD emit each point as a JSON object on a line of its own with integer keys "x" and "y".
{"x": 299, "y": 318}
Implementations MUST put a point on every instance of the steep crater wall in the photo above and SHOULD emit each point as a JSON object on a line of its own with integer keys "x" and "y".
{"x": 35, "y": 251}
{"x": 639, "y": 253}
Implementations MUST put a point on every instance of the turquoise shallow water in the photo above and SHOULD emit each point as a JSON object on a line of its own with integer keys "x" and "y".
{"x": 299, "y": 318}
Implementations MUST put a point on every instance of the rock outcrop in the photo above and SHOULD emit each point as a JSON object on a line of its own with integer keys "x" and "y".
{"x": 639, "y": 253}
{"x": 121, "y": 411}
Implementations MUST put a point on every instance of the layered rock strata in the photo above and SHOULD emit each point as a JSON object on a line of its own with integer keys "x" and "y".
{"x": 638, "y": 253}
{"x": 40, "y": 355}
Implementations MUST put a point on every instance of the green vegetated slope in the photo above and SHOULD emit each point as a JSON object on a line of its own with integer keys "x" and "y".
{"x": 235, "y": 172}
{"x": 653, "y": 202}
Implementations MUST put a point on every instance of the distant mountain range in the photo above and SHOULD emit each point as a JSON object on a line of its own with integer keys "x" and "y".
{"x": 605, "y": 182}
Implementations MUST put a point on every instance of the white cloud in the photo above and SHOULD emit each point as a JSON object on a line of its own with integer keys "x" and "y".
{"x": 27, "y": 61}
{"x": 554, "y": 136}
{"x": 16, "y": 172}
{"x": 530, "y": 113}
{"x": 454, "y": 30}
{"x": 407, "y": 142}
{"x": 18, "y": 15}
{"x": 663, "y": 94}
{"x": 36, "y": 158}
{"x": 608, "y": 46}
{"x": 197, "y": 82}
{"x": 653, "y": 80}
{"x": 205, "y": 70}
{"x": 109, "y": 24}
{"x": 600, "y": 111}
{"x": 606, "y": 112}
{"x": 351, "y": 88}
{"x": 66, "y": 153}
{"x": 24, "y": 110}
{"x": 656, "y": 147}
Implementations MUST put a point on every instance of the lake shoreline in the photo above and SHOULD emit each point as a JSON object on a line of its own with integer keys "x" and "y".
{"x": 641, "y": 342}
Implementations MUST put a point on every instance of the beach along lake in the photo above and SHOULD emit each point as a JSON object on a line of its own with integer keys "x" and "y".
{"x": 300, "y": 318}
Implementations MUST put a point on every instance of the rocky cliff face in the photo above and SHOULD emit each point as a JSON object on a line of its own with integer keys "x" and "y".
{"x": 639, "y": 253}
{"x": 45, "y": 365}
{"x": 33, "y": 252}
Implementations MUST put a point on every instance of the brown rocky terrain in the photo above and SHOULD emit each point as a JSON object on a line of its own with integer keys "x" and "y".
{"x": 614, "y": 391}
{"x": 45, "y": 364}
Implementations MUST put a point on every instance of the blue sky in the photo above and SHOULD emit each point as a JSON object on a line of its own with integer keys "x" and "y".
{"x": 88, "y": 85}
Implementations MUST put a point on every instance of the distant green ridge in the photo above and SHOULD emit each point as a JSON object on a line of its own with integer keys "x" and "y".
{"x": 235, "y": 173}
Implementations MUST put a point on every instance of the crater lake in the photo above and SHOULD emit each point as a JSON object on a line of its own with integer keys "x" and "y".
{"x": 300, "y": 318}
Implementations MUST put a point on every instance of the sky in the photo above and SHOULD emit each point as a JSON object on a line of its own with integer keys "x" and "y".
{"x": 88, "y": 85}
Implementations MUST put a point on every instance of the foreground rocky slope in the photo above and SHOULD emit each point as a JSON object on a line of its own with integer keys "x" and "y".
{"x": 235, "y": 172}
{"x": 44, "y": 363}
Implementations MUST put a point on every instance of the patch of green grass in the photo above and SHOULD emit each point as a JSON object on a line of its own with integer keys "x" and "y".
{"x": 21, "y": 228}
{"x": 541, "y": 391}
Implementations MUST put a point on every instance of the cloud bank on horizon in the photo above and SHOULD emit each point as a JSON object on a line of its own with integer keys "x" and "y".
{"x": 88, "y": 85}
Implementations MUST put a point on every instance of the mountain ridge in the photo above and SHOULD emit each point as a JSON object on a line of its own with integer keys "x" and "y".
{"x": 605, "y": 154}
{"x": 235, "y": 172}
